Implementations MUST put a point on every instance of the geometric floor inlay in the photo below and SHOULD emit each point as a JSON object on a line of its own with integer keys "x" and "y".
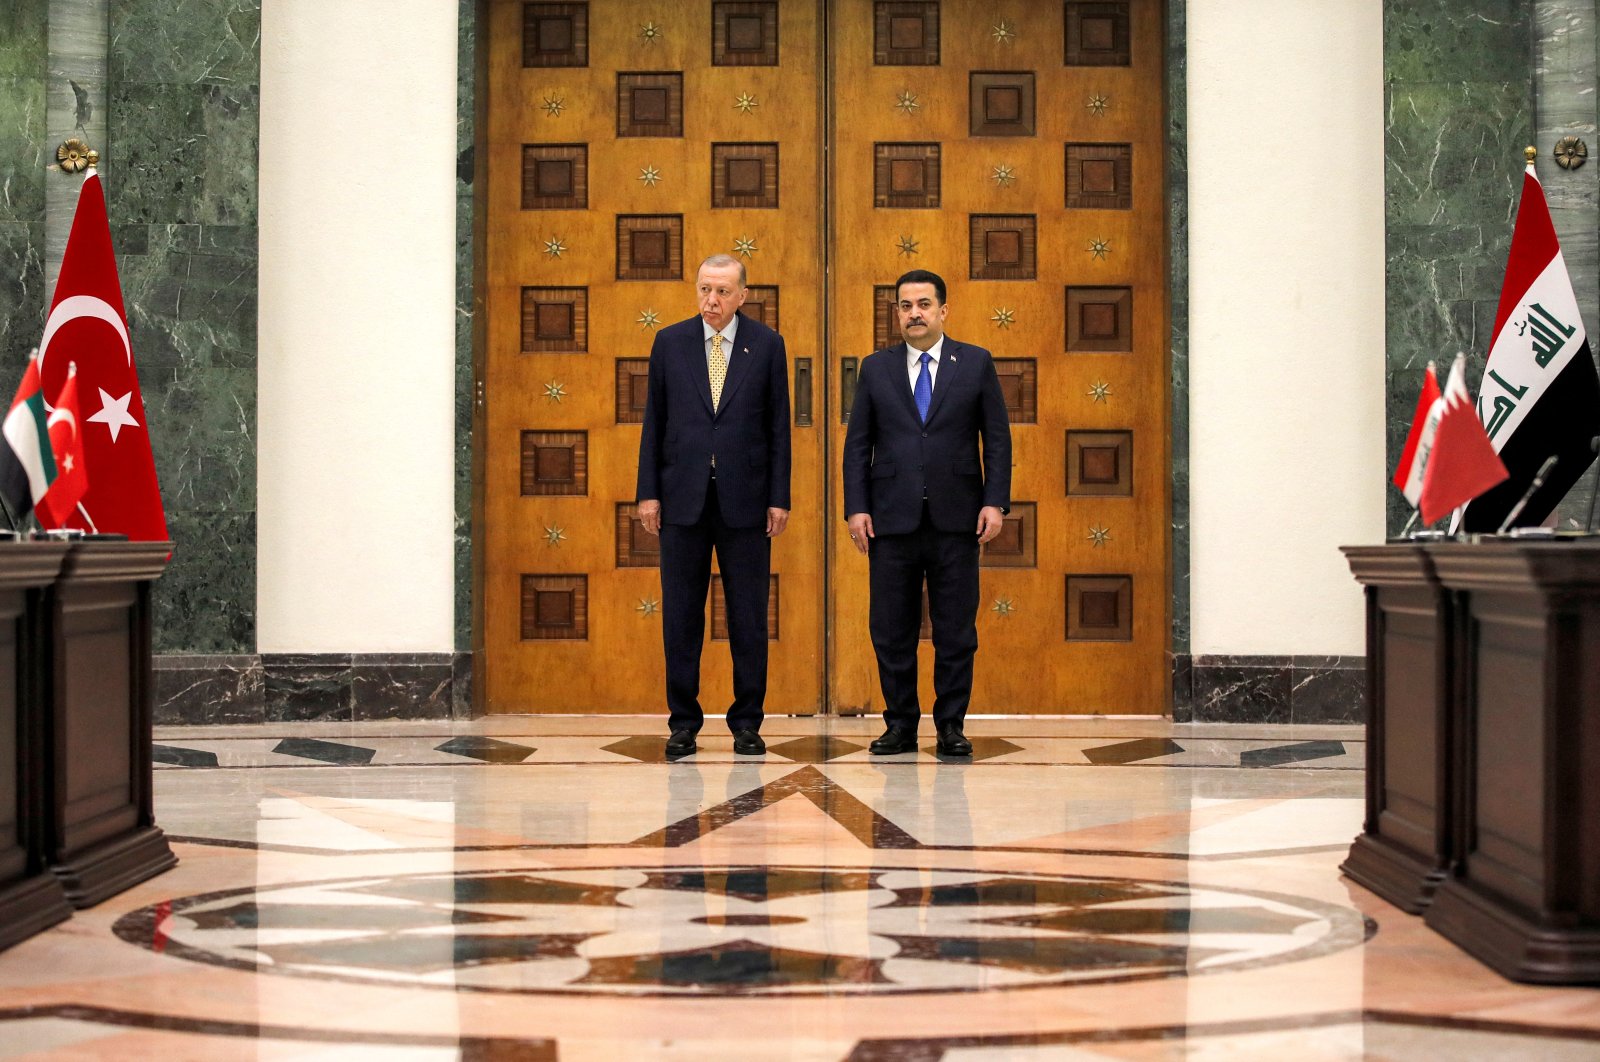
{"x": 741, "y": 930}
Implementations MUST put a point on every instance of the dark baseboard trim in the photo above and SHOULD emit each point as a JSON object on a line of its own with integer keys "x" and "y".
{"x": 1269, "y": 689}
{"x": 196, "y": 689}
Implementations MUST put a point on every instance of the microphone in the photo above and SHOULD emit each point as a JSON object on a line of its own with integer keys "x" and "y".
{"x": 1527, "y": 495}
{"x": 1594, "y": 447}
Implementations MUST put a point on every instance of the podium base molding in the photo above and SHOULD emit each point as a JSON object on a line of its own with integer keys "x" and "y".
{"x": 31, "y": 906}
{"x": 106, "y": 869}
{"x": 1394, "y": 873}
{"x": 1514, "y": 945}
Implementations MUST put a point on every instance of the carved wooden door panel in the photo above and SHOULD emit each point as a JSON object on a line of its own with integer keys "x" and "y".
{"x": 1017, "y": 151}
{"x": 627, "y": 143}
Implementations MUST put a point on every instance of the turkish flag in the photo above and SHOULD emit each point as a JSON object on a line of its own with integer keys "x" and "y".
{"x": 60, "y": 502}
{"x": 87, "y": 326}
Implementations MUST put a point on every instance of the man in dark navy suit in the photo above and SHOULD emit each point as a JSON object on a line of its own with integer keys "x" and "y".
{"x": 916, "y": 490}
{"x": 714, "y": 474}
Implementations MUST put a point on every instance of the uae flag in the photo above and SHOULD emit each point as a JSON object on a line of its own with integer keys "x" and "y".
{"x": 87, "y": 326}
{"x": 1540, "y": 394}
{"x": 27, "y": 466}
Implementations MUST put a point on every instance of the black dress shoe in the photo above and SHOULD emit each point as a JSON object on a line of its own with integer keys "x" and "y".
{"x": 681, "y": 743}
{"x": 952, "y": 742}
{"x": 748, "y": 743}
{"x": 896, "y": 739}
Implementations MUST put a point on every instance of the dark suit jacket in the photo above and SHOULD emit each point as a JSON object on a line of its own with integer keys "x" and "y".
{"x": 749, "y": 433}
{"x": 892, "y": 460}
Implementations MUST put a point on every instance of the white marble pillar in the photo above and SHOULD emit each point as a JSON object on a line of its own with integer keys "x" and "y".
{"x": 75, "y": 105}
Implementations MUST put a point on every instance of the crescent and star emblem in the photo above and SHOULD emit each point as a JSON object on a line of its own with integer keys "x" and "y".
{"x": 113, "y": 411}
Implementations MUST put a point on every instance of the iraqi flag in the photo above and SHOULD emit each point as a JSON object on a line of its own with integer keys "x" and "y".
{"x": 1419, "y": 440}
{"x": 1540, "y": 394}
{"x": 87, "y": 326}
{"x": 27, "y": 465}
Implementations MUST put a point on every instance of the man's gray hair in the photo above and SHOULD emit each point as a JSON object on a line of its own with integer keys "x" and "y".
{"x": 723, "y": 261}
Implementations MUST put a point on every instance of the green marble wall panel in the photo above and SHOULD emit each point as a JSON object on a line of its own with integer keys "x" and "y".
{"x": 23, "y": 128}
{"x": 466, "y": 154}
{"x": 1178, "y": 294}
{"x": 181, "y": 166}
{"x": 1458, "y": 98}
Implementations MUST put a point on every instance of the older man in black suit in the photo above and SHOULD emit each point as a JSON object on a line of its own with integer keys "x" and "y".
{"x": 920, "y": 502}
{"x": 714, "y": 474}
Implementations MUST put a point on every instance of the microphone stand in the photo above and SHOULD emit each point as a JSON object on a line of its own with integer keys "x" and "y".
{"x": 1527, "y": 496}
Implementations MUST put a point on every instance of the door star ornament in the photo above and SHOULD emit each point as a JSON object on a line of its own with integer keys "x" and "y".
{"x": 907, "y": 245}
{"x": 906, "y": 102}
{"x": 1099, "y": 248}
{"x": 114, "y": 413}
{"x": 1003, "y": 606}
{"x": 745, "y": 103}
{"x": 1099, "y": 535}
{"x": 554, "y": 536}
{"x": 648, "y": 318}
{"x": 1099, "y": 391}
{"x": 554, "y": 247}
{"x": 1004, "y": 32}
{"x": 650, "y": 176}
{"x": 1098, "y": 104}
{"x": 1003, "y": 317}
{"x": 648, "y": 606}
{"x": 553, "y": 105}
{"x": 745, "y": 246}
{"x": 650, "y": 33}
{"x": 555, "y": 392}
{"x": 1003, "y": 176}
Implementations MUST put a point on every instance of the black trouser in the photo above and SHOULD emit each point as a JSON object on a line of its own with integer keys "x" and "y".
{"x": 948, "y": 561}
{"x": 744, "y": 556}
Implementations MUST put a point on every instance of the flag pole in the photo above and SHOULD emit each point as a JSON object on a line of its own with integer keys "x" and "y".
{"x": 1410, "y": 523}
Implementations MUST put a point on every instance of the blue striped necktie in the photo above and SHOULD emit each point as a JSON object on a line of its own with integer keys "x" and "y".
{"x": 924, "y": 389}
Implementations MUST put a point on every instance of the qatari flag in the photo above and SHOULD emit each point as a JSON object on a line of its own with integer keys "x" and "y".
{"x": 1540, "y": 394}
{"x": 87, "y": 326}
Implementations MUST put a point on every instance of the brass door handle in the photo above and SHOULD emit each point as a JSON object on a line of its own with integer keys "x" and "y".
{"x": 849, "y": 368}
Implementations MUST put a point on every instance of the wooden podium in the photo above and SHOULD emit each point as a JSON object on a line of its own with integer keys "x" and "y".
{"x": 31, "y": 899}
{"x": 1405, "y": 847}
{"x": 1524, "y": 894}
{"x": 101, "y": 835}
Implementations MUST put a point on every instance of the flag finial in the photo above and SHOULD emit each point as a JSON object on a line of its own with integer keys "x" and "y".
{"x": 1530, "y": 153}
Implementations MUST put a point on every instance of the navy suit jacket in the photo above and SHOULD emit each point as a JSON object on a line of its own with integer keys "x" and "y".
{"x": 749, "y": 433}
{"x": 892, "y": 461}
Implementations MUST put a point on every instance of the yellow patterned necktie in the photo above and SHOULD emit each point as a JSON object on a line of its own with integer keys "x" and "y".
{"x": 719, "y": 370}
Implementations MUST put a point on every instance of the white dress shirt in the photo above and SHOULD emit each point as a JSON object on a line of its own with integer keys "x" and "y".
{"x": 914, "y": 363}
{"x": 728, "y": 331}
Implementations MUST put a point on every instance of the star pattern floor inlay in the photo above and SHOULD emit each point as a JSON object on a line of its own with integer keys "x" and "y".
{"x": 555, "y": 888}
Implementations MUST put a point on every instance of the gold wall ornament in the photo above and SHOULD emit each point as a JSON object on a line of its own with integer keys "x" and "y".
{"x": 650, "y": 33}
{"x": 555, "y": 392}
{"x": 1571, "y": 152}
{"x": 1099, "y": 248}
{"x": 648, "y": 318}
{"x": 1099, "y": 391}
{"x": 907, "y": 245}
{"x": 745, "y": 103}
{"x": 1003, "y": 317}
{"x": 1003, "y": 606}
{"x": 554, "y": 536}
{"x": 1003, "y": 32}
{"x": 1003, "y": 175}
{"x": 650, "y": 176}
{"x": 74, "y": 156}
{"x": 647, "y": 606}
{"x": 1099, "y": 535}
{"x": 1098, "y": 104}
{"x": 554, "y": 247}
{"x": 744, "y": 246}
{"x": 906, "y": 102}
{"x": 553, "y": 105}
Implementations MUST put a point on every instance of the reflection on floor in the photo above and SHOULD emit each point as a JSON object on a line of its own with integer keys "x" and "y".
{"x": 554, "y": 888}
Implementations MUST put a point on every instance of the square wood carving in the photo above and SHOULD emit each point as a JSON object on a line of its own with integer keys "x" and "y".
{"x": 649, "y": 104}
{"x": 1097, "y": 34}
{"x": 744, "y": 175}
{"x": 905, "y": 34}
{"x": 555, "y": 176}
{"x": 555, "y": 607}
{"x": 633, "y": 388}
{"x": 744, "y": 34}
{"x": 1016, "y": 546}
{"x": 1100, "y": 176}
{"x": 1001, "y": 103}
{"x": 1019, "y": 385}
{"x": 649, "y": 246}
{"x": 636, "y": 547}
{"x": 761, "y": 304}
{"x": 1099, "y": 608}
{"x": 905, "y": 175}
{"x": 555, "y": 34}
{"x": 555, "y": 319}
{"x": 555, "y": 463}
{"x": 1100, "y": 463}
{"x": 1099, "y": 320}
{"x": 1004, "y": 246}
{"x": 719, "y": 610}
{"x": 885, "y": 322}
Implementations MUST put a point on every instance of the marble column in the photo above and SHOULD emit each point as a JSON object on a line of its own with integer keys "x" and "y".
{"x": 75, "y": 107}
{"x": 24, "y": 47}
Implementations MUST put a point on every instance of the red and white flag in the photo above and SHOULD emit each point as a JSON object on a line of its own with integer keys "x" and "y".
{"x": 1463, "y": 463}
{"x": 1419, "y": 441}
{"x": 60, "y": 502}
{"x": 1540, "y": 394}
{"x": 87, "y": 325}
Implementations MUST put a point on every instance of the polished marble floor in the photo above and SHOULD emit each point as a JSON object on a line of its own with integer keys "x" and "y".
{"x": 524, "y": 888}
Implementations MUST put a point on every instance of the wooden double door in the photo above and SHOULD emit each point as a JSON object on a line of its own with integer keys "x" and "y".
{"x": 1014, "y": 148}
